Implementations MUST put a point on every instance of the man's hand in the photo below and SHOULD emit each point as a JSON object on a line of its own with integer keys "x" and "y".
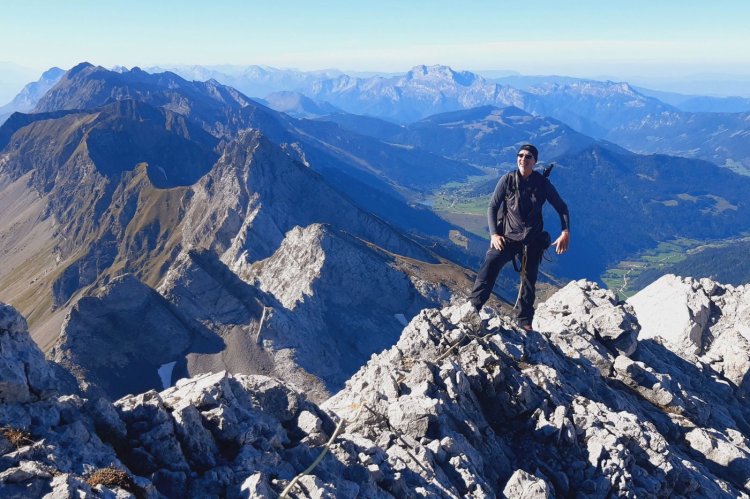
{"x": 497, "y": 242}
{"x": 561, "y": 243}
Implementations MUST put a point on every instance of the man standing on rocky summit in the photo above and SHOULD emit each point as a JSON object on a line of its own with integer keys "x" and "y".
{"x": 516, "y": 227}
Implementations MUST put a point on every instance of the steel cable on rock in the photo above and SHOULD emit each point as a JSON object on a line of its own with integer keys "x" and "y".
{"x": 326, "y": 448}
{"x": 343, "y": 421}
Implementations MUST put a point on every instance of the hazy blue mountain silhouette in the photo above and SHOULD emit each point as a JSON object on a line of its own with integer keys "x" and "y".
{"x": 485, "y": 136}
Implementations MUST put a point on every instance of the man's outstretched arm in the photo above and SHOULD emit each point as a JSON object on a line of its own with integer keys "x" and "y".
{"x": 563, "y": 240}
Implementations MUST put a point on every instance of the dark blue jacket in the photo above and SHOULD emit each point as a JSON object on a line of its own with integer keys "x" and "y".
{"x": 515, "y": 210}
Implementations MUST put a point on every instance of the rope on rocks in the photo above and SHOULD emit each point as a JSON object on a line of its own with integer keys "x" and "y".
{"x": 464, "y": 334}
{"x": 326, "y": 447}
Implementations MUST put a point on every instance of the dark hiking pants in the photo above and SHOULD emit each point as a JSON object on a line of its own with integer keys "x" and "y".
{"x": 494, "y": 261}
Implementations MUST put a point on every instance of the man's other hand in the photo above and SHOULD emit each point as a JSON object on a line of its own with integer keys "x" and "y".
{"x": 561, "y": 243}
{"x": 497, "y": 242}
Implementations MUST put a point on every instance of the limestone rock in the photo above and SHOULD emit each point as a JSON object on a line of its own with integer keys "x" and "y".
{"x": 339, "y": 299}
{"x": 674, "y": 309}
{"x": 50, "y": 440}
{"x": 236, "y": 432}
{"x": 448, "y": 411}
{"x": 24, "y": 374}
{"x": 523, "y": 485}
{"x": 589, "y": 323}
{"x": 702, "y": 321}
{"x": 463, "y": 413}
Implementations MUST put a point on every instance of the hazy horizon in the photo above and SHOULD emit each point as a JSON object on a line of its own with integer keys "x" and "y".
{"x": 638, "y": 42}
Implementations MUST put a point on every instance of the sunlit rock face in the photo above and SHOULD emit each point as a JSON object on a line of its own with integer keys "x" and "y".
{"x": 704, "y": 322}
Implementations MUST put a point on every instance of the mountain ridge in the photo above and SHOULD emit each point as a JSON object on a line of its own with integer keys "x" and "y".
{"x": 595, "y": 401}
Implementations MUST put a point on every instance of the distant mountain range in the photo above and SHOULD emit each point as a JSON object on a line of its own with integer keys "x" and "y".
{"x": 298, "y": 105}
{"x": 14, "y": 77}
{"x": 613, "y": 111}
{"x": 28, "y": 97}
{"x": 718, "y": 137}
{"x": 638, "y": 120}
{"x": 700, "y": 103}
{"x": 632, "y": 117}
{"x": 254, "y": 81}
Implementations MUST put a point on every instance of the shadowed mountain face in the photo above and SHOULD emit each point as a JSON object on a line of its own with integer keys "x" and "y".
{"x": 129, "y": 132}
{"x": 98, "y": 171}
{"x": 116, "y": 340}
{"x": 211, "y": 104}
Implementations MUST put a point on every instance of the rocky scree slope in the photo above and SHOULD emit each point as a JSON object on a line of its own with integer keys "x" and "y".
{"x": 580, "y": 407}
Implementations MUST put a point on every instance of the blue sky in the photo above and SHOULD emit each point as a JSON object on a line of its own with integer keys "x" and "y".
{"x": 578, "y": 38}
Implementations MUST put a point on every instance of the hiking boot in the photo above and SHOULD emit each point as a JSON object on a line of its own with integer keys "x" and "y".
{"x": 472, "y": 319}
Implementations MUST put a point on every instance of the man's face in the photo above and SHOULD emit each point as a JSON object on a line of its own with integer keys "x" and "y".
{"x": 525, "y": 161}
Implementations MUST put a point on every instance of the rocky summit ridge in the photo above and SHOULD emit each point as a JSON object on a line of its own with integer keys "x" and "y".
{"x": 593, "y": 403}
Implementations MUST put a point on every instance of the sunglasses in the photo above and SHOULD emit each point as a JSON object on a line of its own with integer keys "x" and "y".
{"x": 525, "y": 156}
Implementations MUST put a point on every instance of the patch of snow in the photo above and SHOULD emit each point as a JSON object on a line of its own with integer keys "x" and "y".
{"x": 402, "y": 319}
{"x": 165, "y": 373}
